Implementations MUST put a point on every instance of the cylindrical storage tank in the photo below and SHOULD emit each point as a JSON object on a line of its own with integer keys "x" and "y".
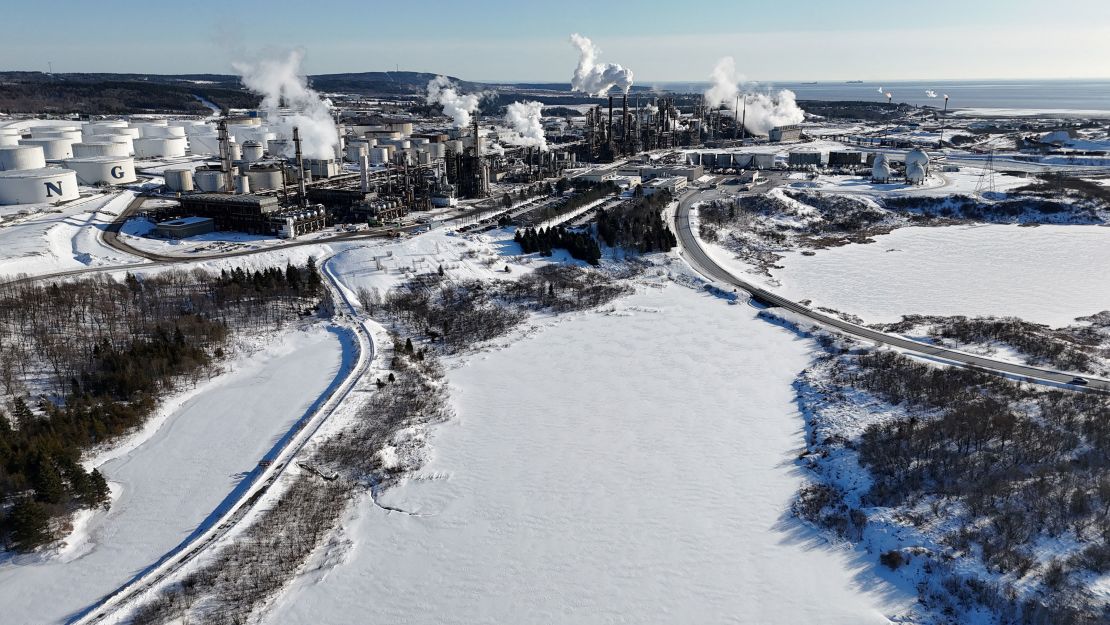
{"x": 693, "y": 158}
{"x": 264, "y": 178}
{"x": 159, "y": 147}
{"x": 210, "y": 180}
{"x": 150, "y": 128}
{"x": 54, "y": 149}
{"x": 415, "y": 141}
{"x": 280, "y": 147}
{"x": 163, "y": 131}
{"x": 8, "y": 140}
{"x": 127, "y": 141}
{"x": 204, "y": 144}
{"x": 242, "y": 185}
{"x": 437, "y": 150}
{"x": 378, "y": 155}
{"x": 455, "y": 145}
{"x": 423, "y": 158}
{"x": 201, "y": 128}
{"x": 179, "y": 179}
{"x": 355, "y": 152}
{"x": 37, "y": 186}
{"x": 100, "y": 148}
{"x": 709, "y": 159}
{"x": 109, "y": 123}
{"x": 98, "y": 170}
{"x": 235, "y": 150}
{"x": 15, "y": 157}
{"x": 51, "y": 133}
{"x": 252, "y": 151}
{"x": 130, "y": 132}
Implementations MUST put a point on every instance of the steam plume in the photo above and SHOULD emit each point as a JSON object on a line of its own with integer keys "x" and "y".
{"x": 280, "y": 82}
{"x": 880, "y": 90}
{"x": 763, "y": 111}
{"x": 595, "y": 79}
{"x": 456, "y": 106}
{"x": 524, "y": 119}
{"x": 930, "y": 93}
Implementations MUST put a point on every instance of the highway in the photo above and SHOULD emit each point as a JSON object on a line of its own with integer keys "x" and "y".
{"x": 691, "y": 249}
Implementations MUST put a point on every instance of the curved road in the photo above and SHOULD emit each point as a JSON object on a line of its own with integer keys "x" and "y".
{"x": 692, "y": 250}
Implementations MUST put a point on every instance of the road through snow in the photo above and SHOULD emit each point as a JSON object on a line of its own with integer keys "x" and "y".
{"x": 631, "y": 467}
{"x": 180, "y": 475}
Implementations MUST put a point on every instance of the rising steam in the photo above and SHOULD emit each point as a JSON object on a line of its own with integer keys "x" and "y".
{"x": 456, "y": 106}
{"x": 281, "y": 84}
{"x": 595, "y": 79}
{"x": 763, "y": 111}
{"x": 524, "y": 119}
{"x": 929, "y": 93}
{"x": 880, "y": 90}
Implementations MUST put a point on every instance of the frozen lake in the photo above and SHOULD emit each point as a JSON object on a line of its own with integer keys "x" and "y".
{"x": 634, "y": 467}
{"x": 173, "y": 481}
{"x": 1046, "y": 274}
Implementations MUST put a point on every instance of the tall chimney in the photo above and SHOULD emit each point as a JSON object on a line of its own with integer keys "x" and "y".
{"x": 225, "y": 156}
{"x": 609, "y": 130}
{"x": 302, "y": 201}
{"x": 364, "y": 169}
{"x": 624, "y": 131}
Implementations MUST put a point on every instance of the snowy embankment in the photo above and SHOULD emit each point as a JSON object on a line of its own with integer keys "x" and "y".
{"x": 182, "y": 473}
{"x": 1046, "y": 274}
{"x": 562, "y": 493}
{"x": 62, "y": 239}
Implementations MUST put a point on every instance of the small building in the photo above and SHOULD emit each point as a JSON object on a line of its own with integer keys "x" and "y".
{"x": 245, "y": 213}
{"x": 803, "y": 159}
{"x": 185, "y": 227}
{"x": 673, "y": 185}
{"x": 781, "y": 134}
{"x": 845, "y": 159}
{"x": 596, "y": 175}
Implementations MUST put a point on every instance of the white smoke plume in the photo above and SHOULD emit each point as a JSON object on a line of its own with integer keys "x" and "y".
{"x": 888, "y": 95}
{"x": 880, "y": 90}
{"x": 524, "y": 119}
{"x": 288, "y": 102}
{"x": 593, "y": 78}
{"x": 455, "y": 105}
{"x": 930, "y": 93}
{"x": 762, "y": 111}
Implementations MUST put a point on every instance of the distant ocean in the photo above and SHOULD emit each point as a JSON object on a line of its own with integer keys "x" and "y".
{"x": 1093, "y": 95}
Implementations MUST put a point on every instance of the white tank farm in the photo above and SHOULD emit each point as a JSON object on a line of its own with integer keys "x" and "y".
{"x": 179, "y": 179}
{"x": 100, "y": 148}
{"x": 129, "y": 131}
{"x": 163, "y": 131}
{"x": 159, "y": 147}
{"x": 53, "y": 149}
{"x": 252, "y": 151}
{"x": 16, "y": 157}
{"x": 38, "y": 186}
{"x": 101, "y": 170}
{"x": 127, "y": 141}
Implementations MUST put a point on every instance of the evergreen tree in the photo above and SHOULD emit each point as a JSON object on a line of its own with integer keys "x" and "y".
{"x": 28, "y": 525}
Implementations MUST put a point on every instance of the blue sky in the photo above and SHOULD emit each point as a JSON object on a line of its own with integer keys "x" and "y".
{"x": 499, "y": 40}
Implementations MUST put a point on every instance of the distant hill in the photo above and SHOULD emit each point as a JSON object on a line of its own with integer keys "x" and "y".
{"x": 383, "y": 82}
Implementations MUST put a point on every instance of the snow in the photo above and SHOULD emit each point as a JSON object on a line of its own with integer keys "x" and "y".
{"x": 563, "y": 493}
{"x": 1045, "y": 274}
{"x": 168, "y": 481}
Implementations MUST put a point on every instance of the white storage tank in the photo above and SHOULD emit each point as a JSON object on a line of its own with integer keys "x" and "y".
{"x": 9, "y": 140}
{"x": 150, "y": 128}
{"x": 100, "y": 148}
{"x": 15, "y": 157}
{"x": 437, "y": 150}
{"x": 355, "y": 152}
{"x": 200, "y": 128}
{"x": 180, "y": 179}
{"x": 211, "y": 180}
{"x": 100, "y": 170}
{"x": 378, "y": 156}
{"x": 280, "y": 147}
{"x": 264, "y": 177}
{"x": 163, "y": 131}
{"x": 252, "y": 151}
{"x": 159, "y": 147}
{"x": 204, "y": 144}
{"x": 53, "y": 149}
{"x": 51, "y": 133}
{"x": 235, "y": 150}
{"x": 37, "y": 186}
{"x": 242, "y": 185}
{"x": 125, "y": 140}
{"x": 113, "y": 130}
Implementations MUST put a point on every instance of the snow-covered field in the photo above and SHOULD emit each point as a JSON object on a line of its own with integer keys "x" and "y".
{"x": 166, "y": 482}
{"x": 563, "y": 493}
{"x": 1045, "y": 274}
{"x": 69, "y": 238}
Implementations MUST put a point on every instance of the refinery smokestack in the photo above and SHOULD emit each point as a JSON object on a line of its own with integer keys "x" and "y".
{"x": 609, "y": 131}
{"x": 364, "y": 169}
{"x": 225, "y": 156}
{"x": 303, "y": 199}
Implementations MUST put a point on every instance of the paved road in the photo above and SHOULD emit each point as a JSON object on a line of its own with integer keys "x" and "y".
{"x": 691, "y": 248}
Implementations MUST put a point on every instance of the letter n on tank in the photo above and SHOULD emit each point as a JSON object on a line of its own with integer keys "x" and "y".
{"x": 53, "y": 187}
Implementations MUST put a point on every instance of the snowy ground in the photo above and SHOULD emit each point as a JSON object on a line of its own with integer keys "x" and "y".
{"x": 1046, "y": 274}
{"x": 168, "y": 481}
{"x": 561, "y": 493}
{"x": 63, "y": 238}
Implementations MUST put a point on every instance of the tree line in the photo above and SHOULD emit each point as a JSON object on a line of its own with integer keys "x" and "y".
{"x": 637, "y": 225}
{"x": 581, "y": 245}
{"x": 86, "y": 361}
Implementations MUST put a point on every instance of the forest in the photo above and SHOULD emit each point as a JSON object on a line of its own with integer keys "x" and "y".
{"x": 637, "y": 225}
{"x": 86, "y": 361}
{"x": 581, "y": 245}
